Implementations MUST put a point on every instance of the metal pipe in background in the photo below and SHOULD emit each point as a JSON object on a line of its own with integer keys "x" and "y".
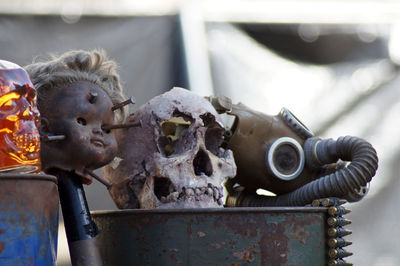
{"x": 79, "y": 226}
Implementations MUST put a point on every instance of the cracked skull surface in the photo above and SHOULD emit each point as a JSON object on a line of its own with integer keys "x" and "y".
{"x": 175, "y": 159}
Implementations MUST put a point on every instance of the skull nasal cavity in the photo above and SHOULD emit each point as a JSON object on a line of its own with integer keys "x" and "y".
{"x": 202, "y": 164}
{"x": 162, "y": 187}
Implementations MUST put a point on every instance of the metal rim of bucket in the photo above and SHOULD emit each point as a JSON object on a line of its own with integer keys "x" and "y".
{"x": 211, "y": 210}
{"x": 40, "y": 176}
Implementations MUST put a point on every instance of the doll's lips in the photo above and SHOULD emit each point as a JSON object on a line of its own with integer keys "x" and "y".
{"x": 98, "y": 142}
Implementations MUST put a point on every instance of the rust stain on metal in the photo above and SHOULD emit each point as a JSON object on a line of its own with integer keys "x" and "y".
{"x": 240, "y": 225}
{"x": 173, "y": 257}
{"x": 273, "y": 242}
{"x": 301, "y": 234}
{"x": 247, "y": 254}
{"x": 274, "y": 245}
{"x": 217, "y": 245}
{"x": 2, "y": 231}
{"x": 232, "y": 244}
{"x": 299, "y": 226}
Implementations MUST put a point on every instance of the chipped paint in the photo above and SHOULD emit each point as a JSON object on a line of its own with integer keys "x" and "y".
{"x": 246, "y": 255}
{"x": 231, "y": 236}
{"x": 28, "y": 219}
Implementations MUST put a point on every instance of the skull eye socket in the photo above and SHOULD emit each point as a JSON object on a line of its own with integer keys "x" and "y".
{"x": 8, "y": 107}
{"x": 172, "y": 131}
{"x": 213, "y": 139}
{"x": 31, "y": 94}
{"x": 9, "y": 103}
{"x": 214, "y": 135}
{"x": 81, "y": 121}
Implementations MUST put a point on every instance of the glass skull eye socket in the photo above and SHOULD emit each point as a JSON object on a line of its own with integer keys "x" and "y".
{"x": 8, "y": 104}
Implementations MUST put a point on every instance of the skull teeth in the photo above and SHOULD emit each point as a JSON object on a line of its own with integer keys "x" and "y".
{"x": 173, "y": 196}
{"x": 189, "y": 192}
{"x": 197, "y": 193}
{"x": 27, "y": 142}
{"x": 216, "y": 193}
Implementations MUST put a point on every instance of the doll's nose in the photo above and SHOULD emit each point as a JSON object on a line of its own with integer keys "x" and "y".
{"x": 97, "y": 130}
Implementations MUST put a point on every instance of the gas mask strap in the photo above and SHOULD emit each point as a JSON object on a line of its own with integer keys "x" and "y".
{"x": 221, "y": 104}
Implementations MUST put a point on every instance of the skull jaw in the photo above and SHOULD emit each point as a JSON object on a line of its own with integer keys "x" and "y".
{"x": 128, "y": 194}
{"x": 20, "y": 156}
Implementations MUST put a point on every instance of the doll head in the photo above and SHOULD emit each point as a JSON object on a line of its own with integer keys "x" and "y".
{"x": 76, "y": 93}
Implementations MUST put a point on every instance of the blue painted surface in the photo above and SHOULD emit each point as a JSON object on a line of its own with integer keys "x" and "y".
{"x": 28, "y": 222}
{"x": 24, "y": 242}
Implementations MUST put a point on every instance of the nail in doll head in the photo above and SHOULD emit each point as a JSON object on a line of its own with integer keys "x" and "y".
{"x": 19, "y": 137}
{"x": 76, "y": 93}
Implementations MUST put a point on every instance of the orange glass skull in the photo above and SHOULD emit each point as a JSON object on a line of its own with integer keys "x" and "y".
{"x": 19, "y": 116}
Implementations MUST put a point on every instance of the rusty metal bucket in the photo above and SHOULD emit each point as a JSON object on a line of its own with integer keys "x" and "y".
{"x": 230, "y": 236}
{"x": 28, "y": 219}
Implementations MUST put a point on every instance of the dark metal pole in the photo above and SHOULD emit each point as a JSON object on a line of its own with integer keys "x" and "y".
{"x": 79, "y": 226}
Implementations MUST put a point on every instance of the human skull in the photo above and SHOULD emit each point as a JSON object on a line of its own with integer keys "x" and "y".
{"x": 19, "y": 136}
{"x": 175, "y": 159}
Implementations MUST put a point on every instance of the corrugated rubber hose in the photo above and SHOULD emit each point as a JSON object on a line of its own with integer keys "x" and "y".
{"x": 344, "y": 183}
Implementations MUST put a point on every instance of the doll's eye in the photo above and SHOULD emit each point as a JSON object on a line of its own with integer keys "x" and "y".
{"x": 81, "y": 121}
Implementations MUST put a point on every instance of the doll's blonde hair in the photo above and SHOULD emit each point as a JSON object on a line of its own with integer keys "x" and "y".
{"x": 73, "y": 66}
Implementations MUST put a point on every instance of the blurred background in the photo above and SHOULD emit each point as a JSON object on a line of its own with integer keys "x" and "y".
{"x": 334, "y": 64}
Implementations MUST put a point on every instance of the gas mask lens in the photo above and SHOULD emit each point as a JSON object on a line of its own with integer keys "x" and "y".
{"x": 285, "y": 158}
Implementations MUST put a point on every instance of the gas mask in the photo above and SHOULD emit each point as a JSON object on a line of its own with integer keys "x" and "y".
{"x": 19, "y": 136}
{"x": 280, "y": 154}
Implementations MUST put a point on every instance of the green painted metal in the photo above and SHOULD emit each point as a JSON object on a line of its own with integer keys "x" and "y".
{"x": 230, "y": 236}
